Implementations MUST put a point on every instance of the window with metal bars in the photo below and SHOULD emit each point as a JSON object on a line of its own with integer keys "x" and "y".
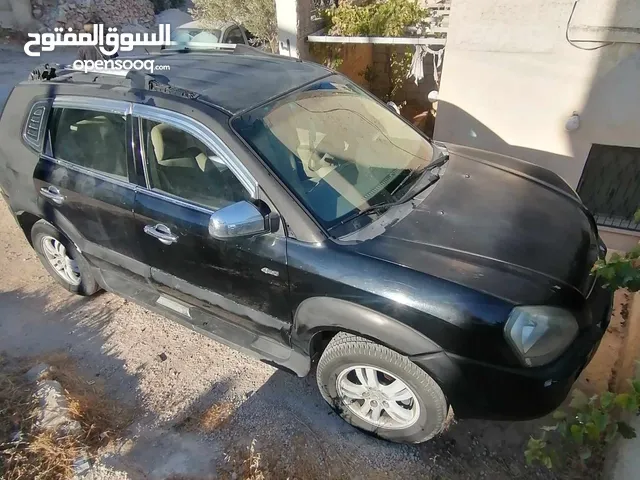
{"x": 610, "y": 185}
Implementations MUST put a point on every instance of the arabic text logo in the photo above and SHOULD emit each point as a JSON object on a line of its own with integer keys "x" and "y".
{"x": 108, "y": 45}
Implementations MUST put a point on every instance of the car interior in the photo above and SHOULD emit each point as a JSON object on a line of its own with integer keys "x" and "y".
{"x": 91, "y": 139}
{"x": 182, "y": 165}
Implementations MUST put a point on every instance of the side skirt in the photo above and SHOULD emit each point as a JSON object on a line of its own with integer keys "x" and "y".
{"x": 261, "y": 347}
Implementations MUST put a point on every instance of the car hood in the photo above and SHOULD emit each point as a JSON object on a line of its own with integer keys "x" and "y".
{"x": 496, "y": 224}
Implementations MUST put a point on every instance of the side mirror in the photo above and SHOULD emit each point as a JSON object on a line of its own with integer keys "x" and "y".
{"x": 242, "y": 219}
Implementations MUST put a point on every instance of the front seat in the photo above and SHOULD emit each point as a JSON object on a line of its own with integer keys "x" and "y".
{"x": 171, "y": 147}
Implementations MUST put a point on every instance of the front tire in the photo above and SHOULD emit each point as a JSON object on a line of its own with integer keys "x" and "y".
{"x": 380, "y": 391}
{"x": 62, "y": 259}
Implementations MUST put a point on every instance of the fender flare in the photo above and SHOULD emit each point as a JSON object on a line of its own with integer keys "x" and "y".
{"x": 318, "y": 314}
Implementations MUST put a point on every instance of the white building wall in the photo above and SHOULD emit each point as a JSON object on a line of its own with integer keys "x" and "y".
{"x": 511, "y": 79}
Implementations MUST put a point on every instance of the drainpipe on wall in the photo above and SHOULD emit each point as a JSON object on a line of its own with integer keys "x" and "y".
{"x": 294, "y": 24}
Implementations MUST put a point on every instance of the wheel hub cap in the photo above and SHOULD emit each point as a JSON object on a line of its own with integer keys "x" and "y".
{"x": 378, "y": 397}
{"x": 56, "y": 255}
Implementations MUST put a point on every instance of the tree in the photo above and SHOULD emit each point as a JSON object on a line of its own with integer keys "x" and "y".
{"x": 621, "y": 271}
{"x": 257, "y": 16}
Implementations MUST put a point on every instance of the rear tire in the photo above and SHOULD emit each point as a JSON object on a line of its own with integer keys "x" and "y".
{"x": 380, "y": 391}
{"x": 62, "y": 260}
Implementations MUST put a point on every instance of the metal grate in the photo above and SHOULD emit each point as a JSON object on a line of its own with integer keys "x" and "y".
{"x": 610, "y": 185}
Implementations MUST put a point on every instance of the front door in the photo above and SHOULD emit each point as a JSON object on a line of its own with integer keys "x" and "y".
{"x": 235, "y": 289}
{"x": 83, "y": 180}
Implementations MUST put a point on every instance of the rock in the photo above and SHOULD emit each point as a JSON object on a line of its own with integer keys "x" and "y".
{"x": 82, "y": 466}
{"x": 38, "y": 372}
{"x": 53, "y": 413}
{"x": 163, "y": 356}
{"x": 37, "y": 13}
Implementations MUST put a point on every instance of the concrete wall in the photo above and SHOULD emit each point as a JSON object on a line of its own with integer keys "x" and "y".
{"x": 294, "y": 24}
{"x": 511, "y": 80}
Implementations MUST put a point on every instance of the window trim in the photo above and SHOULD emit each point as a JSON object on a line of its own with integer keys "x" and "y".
{"x": 200, "y": 132}
{"x": 97, "y": 105}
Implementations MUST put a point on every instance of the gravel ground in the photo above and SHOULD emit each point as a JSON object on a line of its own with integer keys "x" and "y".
{"x": 296, "y": 434}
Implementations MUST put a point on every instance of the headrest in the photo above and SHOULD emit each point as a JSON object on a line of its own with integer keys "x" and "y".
{"x": 168, "y": 142}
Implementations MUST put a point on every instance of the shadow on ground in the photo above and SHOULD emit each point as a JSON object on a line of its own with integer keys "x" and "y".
{"x": 294, "y": 433}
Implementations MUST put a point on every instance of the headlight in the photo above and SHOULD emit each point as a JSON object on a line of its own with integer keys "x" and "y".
{"x": 540, "y": 334}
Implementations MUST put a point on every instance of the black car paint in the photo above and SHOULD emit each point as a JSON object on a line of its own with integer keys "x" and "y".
{"x": 422, "y": 287}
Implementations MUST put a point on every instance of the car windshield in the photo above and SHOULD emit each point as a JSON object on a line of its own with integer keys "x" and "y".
{"x": 339, "y": 150}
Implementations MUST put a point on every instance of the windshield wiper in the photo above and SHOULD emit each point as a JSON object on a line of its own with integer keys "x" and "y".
{"x": 403, "y": 182}
{"x": 431, "y": 179}
{"x": 370, "y": 209}
{"x": 427, "y": 179}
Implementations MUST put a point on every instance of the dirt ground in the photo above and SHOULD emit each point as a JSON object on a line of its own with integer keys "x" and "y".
{"x": 201, "y": 405}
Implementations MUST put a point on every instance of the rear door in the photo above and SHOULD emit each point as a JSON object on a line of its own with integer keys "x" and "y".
{"x": 85, "y": 179}
{"x": 237, "y": 289}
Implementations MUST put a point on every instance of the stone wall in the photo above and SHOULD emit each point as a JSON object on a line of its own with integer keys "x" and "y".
{"x": 75, "y": 13}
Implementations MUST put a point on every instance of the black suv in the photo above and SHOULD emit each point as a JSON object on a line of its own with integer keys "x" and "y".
{"x": 273, "y": 205}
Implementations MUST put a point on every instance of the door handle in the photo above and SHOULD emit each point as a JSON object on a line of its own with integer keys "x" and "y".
{"x": 162, "y": 233}
{"x": 53, "y": 194}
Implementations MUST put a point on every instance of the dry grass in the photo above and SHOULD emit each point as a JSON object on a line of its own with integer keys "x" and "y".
{"x": 102, "y": 419}
{"x": 24, "y": 453}
{"x": 245, "y": 464}
{"x": 276, "y": 462}
{"x": 28, "y": 454}
{"x": 210, "y": 420}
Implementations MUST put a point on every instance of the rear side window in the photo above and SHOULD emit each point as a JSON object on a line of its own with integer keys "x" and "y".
{"x": 90, "y": 139}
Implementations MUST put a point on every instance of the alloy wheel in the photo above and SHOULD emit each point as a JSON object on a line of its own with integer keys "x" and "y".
{"x": 56, "y": 255}
{"x": 378, "y": 397}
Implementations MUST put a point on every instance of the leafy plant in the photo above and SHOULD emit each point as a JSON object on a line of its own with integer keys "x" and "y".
{"x": 369, "y": 74}
{"x": 621, "y": 271}
{"x": 384, "y": 19}
{"x": 399, "y": 64}
{"x": 329, "y": 54}
{"x": 257, "y": 16}
{"x": 589, "y": 424}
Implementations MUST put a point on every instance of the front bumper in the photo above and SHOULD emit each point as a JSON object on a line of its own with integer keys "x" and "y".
{"x": 480, "y": 390}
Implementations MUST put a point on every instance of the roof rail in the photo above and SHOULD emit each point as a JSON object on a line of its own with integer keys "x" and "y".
{"x": 133, "y": 78}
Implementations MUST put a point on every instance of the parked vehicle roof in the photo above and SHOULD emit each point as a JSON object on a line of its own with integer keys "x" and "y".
{"x": 235, "y": 82}
{"x": 206, "y": 25}
{"x": 232, "y": 81}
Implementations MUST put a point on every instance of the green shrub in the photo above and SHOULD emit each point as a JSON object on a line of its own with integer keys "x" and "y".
{"x": 257, "y": 16}
{"x": 384, "y": 19}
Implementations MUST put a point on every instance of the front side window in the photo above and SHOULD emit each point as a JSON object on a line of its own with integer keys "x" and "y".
{"x": 336, "y": 148}
{"x": 91, "y": 139}
{"x": 180, "y": 164}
